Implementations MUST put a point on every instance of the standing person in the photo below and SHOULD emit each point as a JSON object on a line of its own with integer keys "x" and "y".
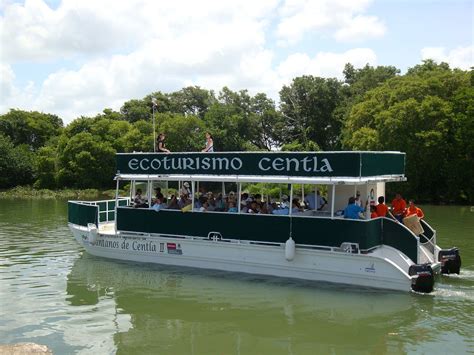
{"x": 209, "y": 144}
{"x": 352, "y": 211}
{"x": 160, "y": 144}
{"x": 381, "y": 208}
{"x": 399, "y": 206}
{"x": 358, "y": 201}
{"x": 315, "y": 201}
{"x": 412, "y": 209}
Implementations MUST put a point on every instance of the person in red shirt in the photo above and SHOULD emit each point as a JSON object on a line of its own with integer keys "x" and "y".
{"x": 399, "y": 206}
{"x": 412, "y": 209}
{"x": 382, "y": 209}
{"x": 373, "y": 211}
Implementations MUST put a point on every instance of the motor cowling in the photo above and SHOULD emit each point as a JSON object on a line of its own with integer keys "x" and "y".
{"x": 450, "y": 261}
{"x": 422, "y": 278}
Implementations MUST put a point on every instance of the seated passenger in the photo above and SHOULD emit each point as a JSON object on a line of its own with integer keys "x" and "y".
{"x": 211, "y": 202}
{"x": 173, "y": 204}
{"x": 245, "y": 206}
{"x": 159, "y": 205}
{"x": 220, "y": 203}
{"x": 254, "y": 207}
{"x": 373, "y": 211}
{"x": 258, "y": 200}
{"x": 412, "y": 209}
{"x": 232, "y": 207}
{"x": 204, "y": 207}
{"x": 139, "y": 201}
{"x": 381, "y": 208}
{"x": 284, "y": 209}
{"x": 352, "y": 210}
{"x": 184, "y": 200}
{"x": 295, "y": 206}
{"x": 185, "y": 190}
{"x": 158, "y": 195}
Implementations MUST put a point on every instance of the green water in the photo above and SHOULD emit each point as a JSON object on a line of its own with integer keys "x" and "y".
{"x": 52, "y": 293}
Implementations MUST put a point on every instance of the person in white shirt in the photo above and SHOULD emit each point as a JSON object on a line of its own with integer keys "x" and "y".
{"x": 315, "y": 201}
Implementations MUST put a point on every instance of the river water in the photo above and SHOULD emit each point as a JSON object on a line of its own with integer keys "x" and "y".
{"x": 52, "y": 293}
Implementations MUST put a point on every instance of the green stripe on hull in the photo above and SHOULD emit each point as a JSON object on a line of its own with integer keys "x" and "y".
{"x": 305, "y": 230}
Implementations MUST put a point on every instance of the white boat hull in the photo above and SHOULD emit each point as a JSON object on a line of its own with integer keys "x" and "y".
{"x": 374, "y": 270}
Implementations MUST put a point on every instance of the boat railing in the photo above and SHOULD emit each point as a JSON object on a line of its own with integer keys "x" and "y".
{"x": 428, "y": 237}
{"x": 96, "y": 212}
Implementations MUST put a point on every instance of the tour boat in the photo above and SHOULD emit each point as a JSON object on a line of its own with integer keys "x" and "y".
{"x": 317, "y": 245}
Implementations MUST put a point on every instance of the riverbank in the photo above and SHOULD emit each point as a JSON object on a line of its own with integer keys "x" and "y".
{"x": 26, "y": 192}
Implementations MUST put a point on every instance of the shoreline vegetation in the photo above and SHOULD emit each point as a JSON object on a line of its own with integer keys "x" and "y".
{"x": 427, "y": 112}
{"x": 28, "y": 192}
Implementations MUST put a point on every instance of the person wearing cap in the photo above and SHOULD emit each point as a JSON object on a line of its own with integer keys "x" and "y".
{"x": 315, "y": 201}
{"x": 185, "y": 190}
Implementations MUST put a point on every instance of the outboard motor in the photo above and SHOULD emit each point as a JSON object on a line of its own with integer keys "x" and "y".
{"x": 422, "y": 278}
{"x": 450, "y": 261}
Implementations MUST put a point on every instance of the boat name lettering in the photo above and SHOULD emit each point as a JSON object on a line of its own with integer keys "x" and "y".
{"x": 190, "y": 163}
{"x": 307, "y": 164}
{"x": 126, "y": 245}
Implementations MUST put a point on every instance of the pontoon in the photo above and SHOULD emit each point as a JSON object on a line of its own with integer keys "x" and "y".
{"x": 319, "y": 245}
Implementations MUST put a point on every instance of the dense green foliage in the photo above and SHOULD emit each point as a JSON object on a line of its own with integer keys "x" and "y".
{"x": 427, "y": 113}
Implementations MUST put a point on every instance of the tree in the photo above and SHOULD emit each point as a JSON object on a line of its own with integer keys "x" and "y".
{"x": 191, "y": 100}
{"x": 86, "y": 162}
{"x": 309, "y": 106}
{"x": 427, "y": 113}
{"x": 16, "y": 164}
{"x": 46, "y": 168}
{"x": 31, "y": 128}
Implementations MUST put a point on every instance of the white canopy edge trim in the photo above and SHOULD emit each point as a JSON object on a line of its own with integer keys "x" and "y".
{"x": 268, "y": 179}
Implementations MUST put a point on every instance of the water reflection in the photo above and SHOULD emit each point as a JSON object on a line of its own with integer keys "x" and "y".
{"x": 187, "y": 311}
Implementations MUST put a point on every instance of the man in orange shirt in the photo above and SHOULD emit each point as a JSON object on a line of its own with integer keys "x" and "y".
{"x": 381, "y": 208}
{"x": 412, "y": 209}
{"x": 399, "y": 206}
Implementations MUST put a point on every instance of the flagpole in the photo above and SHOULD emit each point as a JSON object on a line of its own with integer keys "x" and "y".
{"x": 153, "y": 101}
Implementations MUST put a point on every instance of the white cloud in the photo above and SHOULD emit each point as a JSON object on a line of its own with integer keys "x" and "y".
{"x": 360, "y": 28}
{"x": 119, "y": 50}
{"x": 325, "y": 64}
{"x": 340, "y": 18}
{"x": 461, "y": 57}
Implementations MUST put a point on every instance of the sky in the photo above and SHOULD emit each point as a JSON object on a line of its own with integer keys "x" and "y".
{"x": 77, "y": 57}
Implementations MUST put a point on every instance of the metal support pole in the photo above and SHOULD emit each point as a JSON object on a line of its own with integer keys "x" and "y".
{"x": 239, "y": 191}
{"x": 148, "y": 188}
{"x": 192, "y": 196}
{"x": 290, "y": 203}
{"x": 116, "y": 204}
{"x": 333, "y": 198}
